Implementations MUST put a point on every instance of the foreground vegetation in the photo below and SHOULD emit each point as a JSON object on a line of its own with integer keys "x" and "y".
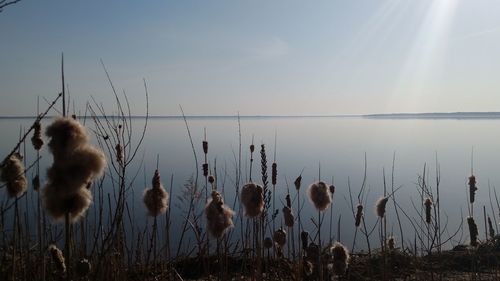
{"x": 78, "y": 223}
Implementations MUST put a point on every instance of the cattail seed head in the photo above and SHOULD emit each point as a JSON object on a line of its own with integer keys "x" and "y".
{"x": 119, "y": 153}
{"x": 36, "y": 183}
{"x": 473, "y": 232}
{"x": 83, "y": 268}
{"x": 156, "y": 198}
{"x": 490, "y": 229}
{"x": 340, "y": 258}
{"x": 380, "y": 206}
{"x": 205, "y": 169}
{"x": 219, "y": 216}
{"x": 14, "y": 177}
{"x": 211, "y": 179}
{"x": 297, "y": 182}
{"x": 288, "y": 216}
{"x": 472, "y": 188}
{"x": 320, "y": 195}
{"x": 288, "y": 201}
{"x": 268, "y": 243}
{"x": 332, "y": 189}
{"x": 274, "y": 173}
{"x": 304, "y": 238}
{"x": 279, "y": 237}
{"x": 205, "y": 147}
{"x": 252, "y": 148}
{"x": 76, "y": 164}
{"x": 428, "y": 208}
{"x": 359, "y": 215}
{"x": 252, "y": 198}
{"x": 36, "y": 139}
{"x": 391, "y": 243}
{"x": 57, "y": 258}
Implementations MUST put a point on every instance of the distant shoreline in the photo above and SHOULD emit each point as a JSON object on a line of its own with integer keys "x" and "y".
{"x": 435, "y": 115}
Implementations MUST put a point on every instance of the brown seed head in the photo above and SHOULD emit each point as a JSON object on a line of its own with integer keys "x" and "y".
{"x": 211, "y": 179}
{"x": 340, "y": 258}
{"x": 274, "y": 173}
{"x": 473, "y": 232}
{"x": 297, "y": 182}
{"x": 252, "y": 198}
{"x": 14, "y": 177}
{"x": 380, "y": 206}
{"x": 428, "y": 207}
{"x": 288, "y": 216}
{"x": 57, "y": 258}
{"x": 36, "y": 139}
{"x": 119, "y": 153}
{"x": 156, "y": 198}
{"x": 359, "y": 215}
{"x": 205, "y": 147}
{"x": 279, "y": 237}
{"x": 219, "y": 216}
{"x": 320, "y": 195}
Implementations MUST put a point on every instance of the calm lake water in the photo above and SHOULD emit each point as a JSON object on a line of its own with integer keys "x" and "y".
{"x": 330, "y": 147}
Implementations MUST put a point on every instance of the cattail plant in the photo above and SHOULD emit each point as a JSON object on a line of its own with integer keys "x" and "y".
{"x": 473, "y": 231}
{"x": 472, "y": 189}
{"x": 156, "y": 198}
{"x": 279, "y": 237}
{"x": 288, "y": 216}
{"x": 491, "y": 231}
{"x": 359, "y": 215}
{"x": 340, "y": 258}
{"x": 119, "y": 153}
{"x": 58, "y": 259}
{"x": 252, "y": 199}
{"x": 219, "y": 216}
{"x": 36, "y": 139}
{"x": 428, "y": 208}
{"x": 319, "y": 194}
{"x": 13, "y": 175}
{"x": 76, "y": 165}
{"x": 380, "y": 206}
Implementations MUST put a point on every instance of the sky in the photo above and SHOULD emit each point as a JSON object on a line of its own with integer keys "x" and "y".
{"x": 254, "y": 57}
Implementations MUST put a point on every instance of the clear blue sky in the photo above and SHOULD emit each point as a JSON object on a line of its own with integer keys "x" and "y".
{"x": 256, "y": 57}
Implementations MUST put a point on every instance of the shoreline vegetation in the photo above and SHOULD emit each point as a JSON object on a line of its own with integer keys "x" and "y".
{"x": 84, "y": 229}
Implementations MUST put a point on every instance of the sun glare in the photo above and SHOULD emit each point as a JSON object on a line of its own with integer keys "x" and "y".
{"x": 425, "y": 58}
